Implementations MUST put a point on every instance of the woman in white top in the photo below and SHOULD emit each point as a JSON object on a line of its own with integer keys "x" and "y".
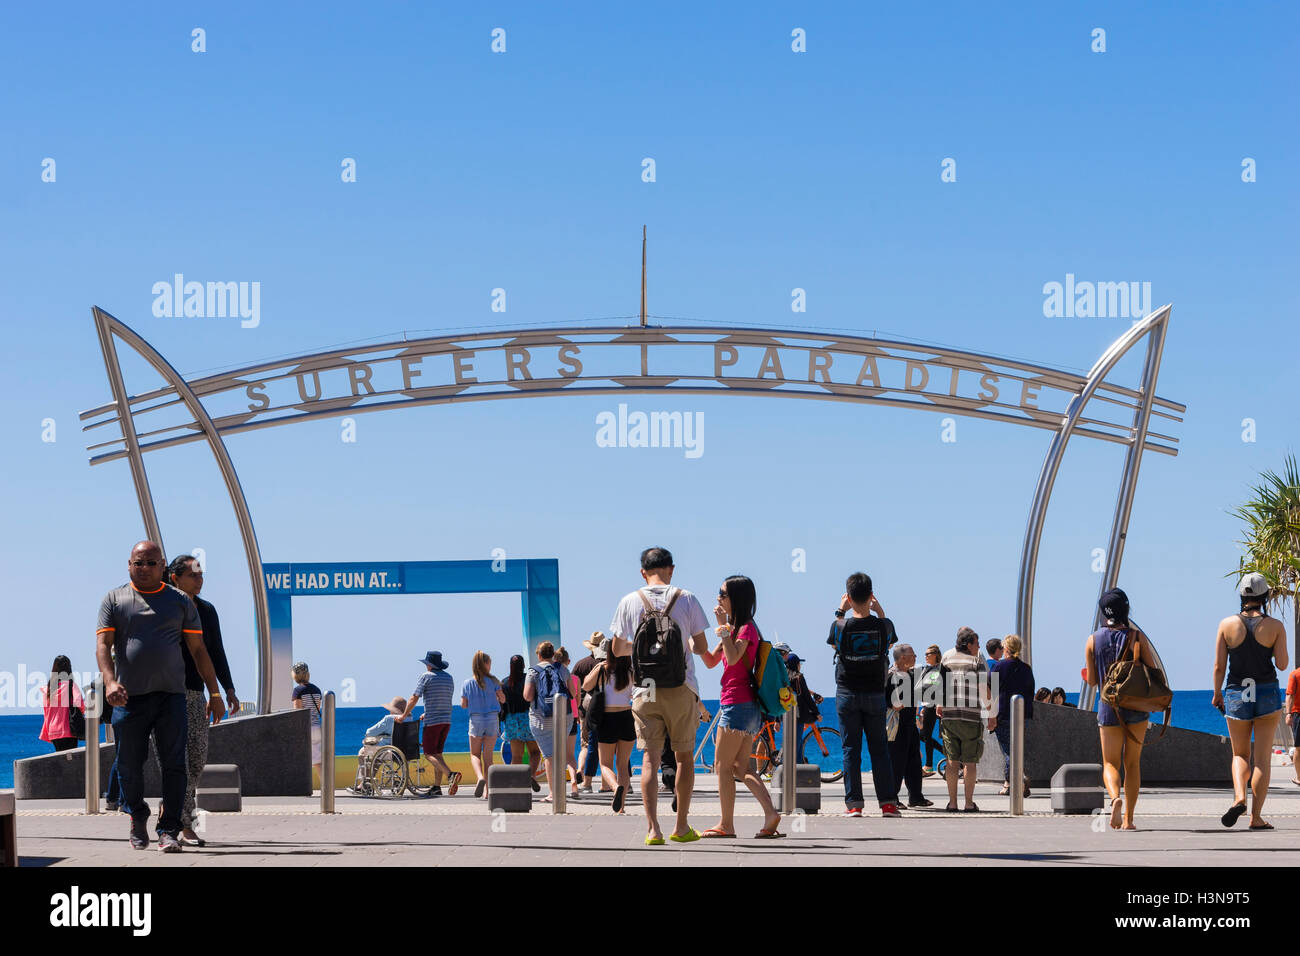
{"x": 616, "y": 733}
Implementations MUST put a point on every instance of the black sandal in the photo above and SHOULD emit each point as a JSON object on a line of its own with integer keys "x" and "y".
{"x": 1233, "y": 815}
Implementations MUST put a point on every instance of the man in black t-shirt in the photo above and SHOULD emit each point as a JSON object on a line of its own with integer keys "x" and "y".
{"x": 862, "y": 645}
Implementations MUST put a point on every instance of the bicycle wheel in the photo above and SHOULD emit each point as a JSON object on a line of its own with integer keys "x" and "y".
{"x": 762, "y": 761}
{"x": 827, "y": 753}
{"x": 941, "y": 766}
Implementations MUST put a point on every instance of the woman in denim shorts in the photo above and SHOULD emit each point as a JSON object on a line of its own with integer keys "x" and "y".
{"x": 514, "y": 721}
{"x": 1247, "y": 647}
{"x": 482, "y": 697}
{"x": 739, "y": 719}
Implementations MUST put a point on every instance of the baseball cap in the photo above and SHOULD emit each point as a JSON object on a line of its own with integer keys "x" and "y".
{"x": 1114, "y": 605}
{"x": 1253, "y": 585}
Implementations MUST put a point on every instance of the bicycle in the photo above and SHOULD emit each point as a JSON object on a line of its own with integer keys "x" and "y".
{"x": 767, "y": 754}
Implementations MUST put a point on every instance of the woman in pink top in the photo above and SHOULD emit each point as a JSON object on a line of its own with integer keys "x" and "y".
{"x": 57, "y": 728}
{"x": 739, "y": 718}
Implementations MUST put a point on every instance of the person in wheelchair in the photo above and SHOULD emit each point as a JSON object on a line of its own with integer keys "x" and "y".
{"x": 382, "y": 732}
{"x": 376, "y": 738}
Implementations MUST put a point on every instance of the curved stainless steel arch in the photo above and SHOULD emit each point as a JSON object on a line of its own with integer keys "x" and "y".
{"x": 1154, "y": 327}
{"x": 297, "y": 383}
{"x": 107, "y": 327}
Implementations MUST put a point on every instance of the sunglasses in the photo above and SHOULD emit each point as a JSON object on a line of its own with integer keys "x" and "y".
{"x": 145, "y": 564}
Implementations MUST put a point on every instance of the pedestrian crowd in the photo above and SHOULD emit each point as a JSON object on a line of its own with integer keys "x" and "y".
{"x": 159, "y": 645}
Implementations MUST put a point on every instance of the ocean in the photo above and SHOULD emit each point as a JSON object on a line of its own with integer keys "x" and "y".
{"x": 19, "y": 732}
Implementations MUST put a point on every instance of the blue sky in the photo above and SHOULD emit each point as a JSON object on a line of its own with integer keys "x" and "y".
{"x": 774, "y": 170}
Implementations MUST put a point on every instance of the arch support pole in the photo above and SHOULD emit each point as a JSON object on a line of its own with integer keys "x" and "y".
{"x": 1154, "y": 325}
{"x": 107, "y": 326}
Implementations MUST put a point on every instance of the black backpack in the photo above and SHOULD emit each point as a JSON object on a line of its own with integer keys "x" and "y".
{"x": 593, "y": 703}
{"x": 658, "y": 654}
{"x": 862, "y": 647}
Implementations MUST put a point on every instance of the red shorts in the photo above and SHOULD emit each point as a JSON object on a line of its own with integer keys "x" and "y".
{"x": 435, "y": 738}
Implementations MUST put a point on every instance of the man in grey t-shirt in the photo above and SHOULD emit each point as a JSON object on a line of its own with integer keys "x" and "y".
{"x": 143, "y": 623}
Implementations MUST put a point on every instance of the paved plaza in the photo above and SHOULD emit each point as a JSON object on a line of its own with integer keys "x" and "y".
{"x": 1182, "y": 825}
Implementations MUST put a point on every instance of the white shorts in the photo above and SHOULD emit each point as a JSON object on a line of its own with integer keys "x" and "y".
{"x": 315, "y": 745}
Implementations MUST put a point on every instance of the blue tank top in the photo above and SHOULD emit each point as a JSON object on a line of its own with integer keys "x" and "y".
{"x": 1108, "y": 645}
{"x": 1250, "y": 660}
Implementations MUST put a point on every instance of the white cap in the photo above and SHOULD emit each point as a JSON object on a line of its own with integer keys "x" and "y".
{"x": 1253, "y": 585}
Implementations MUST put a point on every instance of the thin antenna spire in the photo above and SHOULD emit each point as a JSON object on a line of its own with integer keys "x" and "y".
{"x": 643, "y": 277}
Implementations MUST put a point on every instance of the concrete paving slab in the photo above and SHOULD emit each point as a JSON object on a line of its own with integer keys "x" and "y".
{"x": 1178, "y": 828}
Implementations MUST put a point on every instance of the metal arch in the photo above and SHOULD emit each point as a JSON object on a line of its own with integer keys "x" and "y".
{"x": 1155, "y": 325}
{"x": 108, "y": 326}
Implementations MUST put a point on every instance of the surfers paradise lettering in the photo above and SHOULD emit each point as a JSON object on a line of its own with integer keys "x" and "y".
{"x": 733, "y": 366}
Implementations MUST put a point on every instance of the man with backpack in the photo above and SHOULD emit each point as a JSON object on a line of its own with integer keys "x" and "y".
{"x": 662, "y": 627}
{"x": 543, "y": 681}
{"x": 862, "y": 645}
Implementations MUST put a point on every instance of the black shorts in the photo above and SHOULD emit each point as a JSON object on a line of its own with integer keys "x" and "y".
{"x": 1295, "y": 729}
{"x": 615, "y": 727}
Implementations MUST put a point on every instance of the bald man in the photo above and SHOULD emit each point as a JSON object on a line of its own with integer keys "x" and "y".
{"x": 146, "y": 622}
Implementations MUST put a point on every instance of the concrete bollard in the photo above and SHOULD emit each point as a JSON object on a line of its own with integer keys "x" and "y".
{"x": 1078, "y": 788}
{"x": 510, "y": 787}
{"x": 789, "y": 750}
{"x": 1017, "y": 755}
{"x": 560, "y": 718}
{"x": 327, "y": 755}
{"x": 218, "y": 789}
{"x": 93, "y": 710}
{"x": 807, "y": 789}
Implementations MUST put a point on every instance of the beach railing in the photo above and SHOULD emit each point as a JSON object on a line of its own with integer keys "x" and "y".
{"x": 708, "y": 735}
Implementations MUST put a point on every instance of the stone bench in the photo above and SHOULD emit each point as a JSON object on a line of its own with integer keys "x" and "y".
{"x": 8, "y": 829}
{"x": 218, "y": 789}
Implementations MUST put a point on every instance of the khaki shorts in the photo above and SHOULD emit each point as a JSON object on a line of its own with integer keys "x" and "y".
{"x": 674, "y": 715}
{"x": 963, "y": 740}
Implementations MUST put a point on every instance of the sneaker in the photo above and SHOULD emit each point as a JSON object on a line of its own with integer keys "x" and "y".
{"x": 853, "y": 812}
{"x": 537, "y": 787}
{"x": 139, "y": 835}
{"x": 435, "y": 791}
{"x": 890, "y": 810}
{"x": 168, "y": 843}
{"x": 111, "y": 807}
{"x": 920, "y": 803}
{"x": 453, "y": 783}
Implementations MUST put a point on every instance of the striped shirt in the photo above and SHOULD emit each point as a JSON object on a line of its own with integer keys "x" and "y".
{"x": 436, "y": 688}
{"x": 966, "y": 682}
{"x": 311, "y": 698}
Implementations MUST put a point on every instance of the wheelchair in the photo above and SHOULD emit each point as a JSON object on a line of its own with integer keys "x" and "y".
{"x": 390, "y": 770}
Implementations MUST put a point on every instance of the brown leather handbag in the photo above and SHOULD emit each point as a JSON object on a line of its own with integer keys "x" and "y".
{"x": 1132, "y": 685}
